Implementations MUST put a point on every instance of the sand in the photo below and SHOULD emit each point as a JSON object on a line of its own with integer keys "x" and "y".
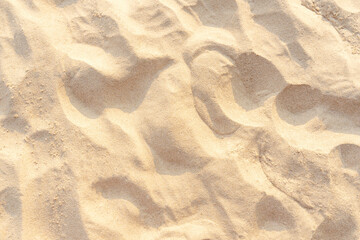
{"x": 179, "y": 119}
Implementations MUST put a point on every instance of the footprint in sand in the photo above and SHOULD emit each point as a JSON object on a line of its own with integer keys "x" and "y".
{"x": 298, "y": 104}
{"x": 227, "y": 83}
{"x": 122, "y": 188}
{"x": 89, "y": 86}
{"x": 339, "y": 227}
{"x": 10, "y": 203}
{"x": 349, "y": 155}
{"x": 273, "y": 15}
{"x": 271, "y": 215}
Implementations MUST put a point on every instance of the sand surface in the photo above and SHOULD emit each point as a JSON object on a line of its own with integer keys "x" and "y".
{"x": 179, "y": 119}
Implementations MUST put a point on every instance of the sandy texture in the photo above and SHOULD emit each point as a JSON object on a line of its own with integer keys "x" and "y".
{"x": 179, "y": 119}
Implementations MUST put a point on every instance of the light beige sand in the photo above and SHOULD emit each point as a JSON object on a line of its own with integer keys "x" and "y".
{"x": 179, "y": 119}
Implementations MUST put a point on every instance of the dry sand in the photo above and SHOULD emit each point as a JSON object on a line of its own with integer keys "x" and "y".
{"x": 179, "y": 119}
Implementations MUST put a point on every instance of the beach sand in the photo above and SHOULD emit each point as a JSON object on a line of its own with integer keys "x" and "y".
{"x": 179, "y": 119}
